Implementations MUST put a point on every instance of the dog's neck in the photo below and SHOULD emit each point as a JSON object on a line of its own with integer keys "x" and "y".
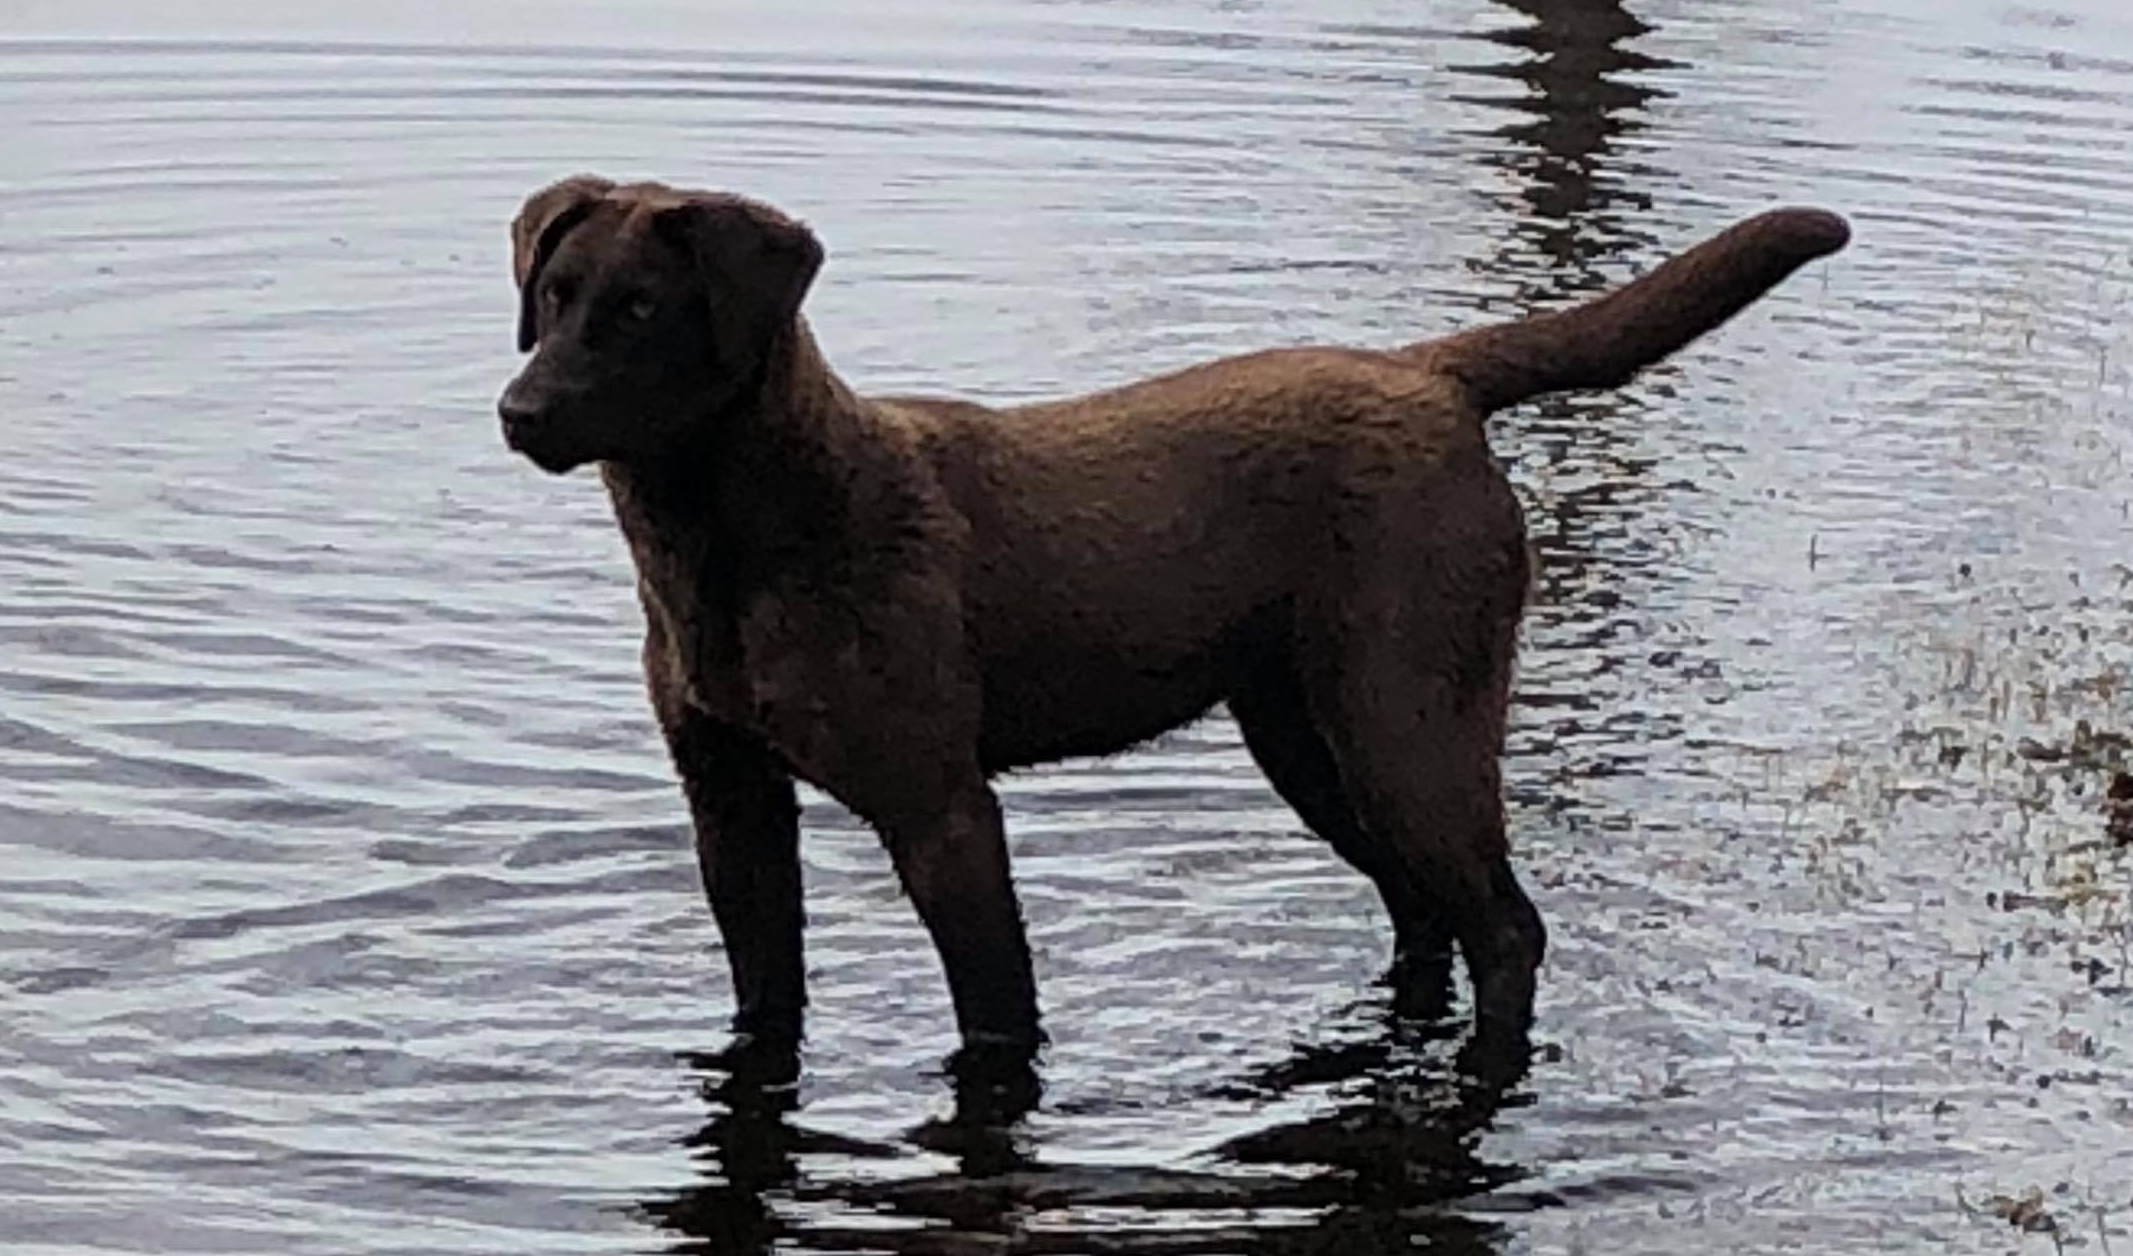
{"x": 768, "y": 473}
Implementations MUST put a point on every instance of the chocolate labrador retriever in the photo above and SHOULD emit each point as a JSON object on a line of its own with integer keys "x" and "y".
{"x": 896, "y": 599}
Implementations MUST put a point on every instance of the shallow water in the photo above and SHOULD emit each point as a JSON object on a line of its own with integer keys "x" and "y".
{"x": 345, "y": 899}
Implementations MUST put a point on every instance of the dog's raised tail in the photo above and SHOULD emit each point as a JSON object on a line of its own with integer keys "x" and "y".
{"x": 1604, "y": 342}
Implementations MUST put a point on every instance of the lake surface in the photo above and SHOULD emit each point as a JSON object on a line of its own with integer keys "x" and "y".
{"x": 346, "y": 903}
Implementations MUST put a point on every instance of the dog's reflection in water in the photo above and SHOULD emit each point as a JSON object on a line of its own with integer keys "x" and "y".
{"x": 1381, "y": 1169}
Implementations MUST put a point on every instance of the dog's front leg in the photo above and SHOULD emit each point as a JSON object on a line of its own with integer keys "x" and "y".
{"x": 951, "y": 854}
{"x": 747, "y": 821}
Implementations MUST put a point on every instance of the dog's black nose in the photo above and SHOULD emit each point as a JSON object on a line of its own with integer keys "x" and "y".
{"x": 518, "y": 416}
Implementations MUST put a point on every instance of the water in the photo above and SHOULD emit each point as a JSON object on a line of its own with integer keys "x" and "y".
{"x": 345, "y": 903}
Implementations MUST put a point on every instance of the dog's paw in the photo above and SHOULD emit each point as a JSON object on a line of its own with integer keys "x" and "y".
{"x": 759, "y": 1060}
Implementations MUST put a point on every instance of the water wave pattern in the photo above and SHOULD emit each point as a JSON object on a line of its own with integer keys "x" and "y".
{"x": 346, "y": 901}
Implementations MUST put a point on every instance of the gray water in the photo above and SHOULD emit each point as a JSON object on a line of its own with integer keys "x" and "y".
{"x": 346, "y": 903}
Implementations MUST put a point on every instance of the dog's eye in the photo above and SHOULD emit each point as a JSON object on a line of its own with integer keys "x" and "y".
{"x": 641, "y": 309}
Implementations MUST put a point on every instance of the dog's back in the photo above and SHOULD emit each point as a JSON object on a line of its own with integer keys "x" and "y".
{"x": 1132, "y": 552}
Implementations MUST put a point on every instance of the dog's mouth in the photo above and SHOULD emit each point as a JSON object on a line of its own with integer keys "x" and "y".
{"x": 539, "y": 447}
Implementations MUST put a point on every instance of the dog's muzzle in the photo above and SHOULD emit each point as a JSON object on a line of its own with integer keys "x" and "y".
{"x": 521, "y": 419}
{"x": 529, "y": 430}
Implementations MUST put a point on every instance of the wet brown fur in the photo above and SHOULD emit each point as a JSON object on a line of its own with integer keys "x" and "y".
{"x": 898, "y": 598}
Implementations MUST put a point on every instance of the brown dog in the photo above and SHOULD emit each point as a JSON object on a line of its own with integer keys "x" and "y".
{"x": 898, "y": 598}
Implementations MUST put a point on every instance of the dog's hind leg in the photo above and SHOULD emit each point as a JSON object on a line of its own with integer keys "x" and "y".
{"x": 1407, "y": 670}
{"x": 1277, "y": 729}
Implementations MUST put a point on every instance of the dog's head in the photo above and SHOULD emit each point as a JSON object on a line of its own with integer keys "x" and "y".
{"x": 649, "y": 311}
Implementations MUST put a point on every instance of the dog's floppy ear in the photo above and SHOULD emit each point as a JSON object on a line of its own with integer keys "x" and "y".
{"x": 755, "y": 262}
{"x": 542, "y": 222}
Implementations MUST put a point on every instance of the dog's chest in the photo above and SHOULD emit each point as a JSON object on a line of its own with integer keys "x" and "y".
{"x": 738, "y": 653}
{"x": 695, "y": 629}
{"x": 726, "y": 627}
